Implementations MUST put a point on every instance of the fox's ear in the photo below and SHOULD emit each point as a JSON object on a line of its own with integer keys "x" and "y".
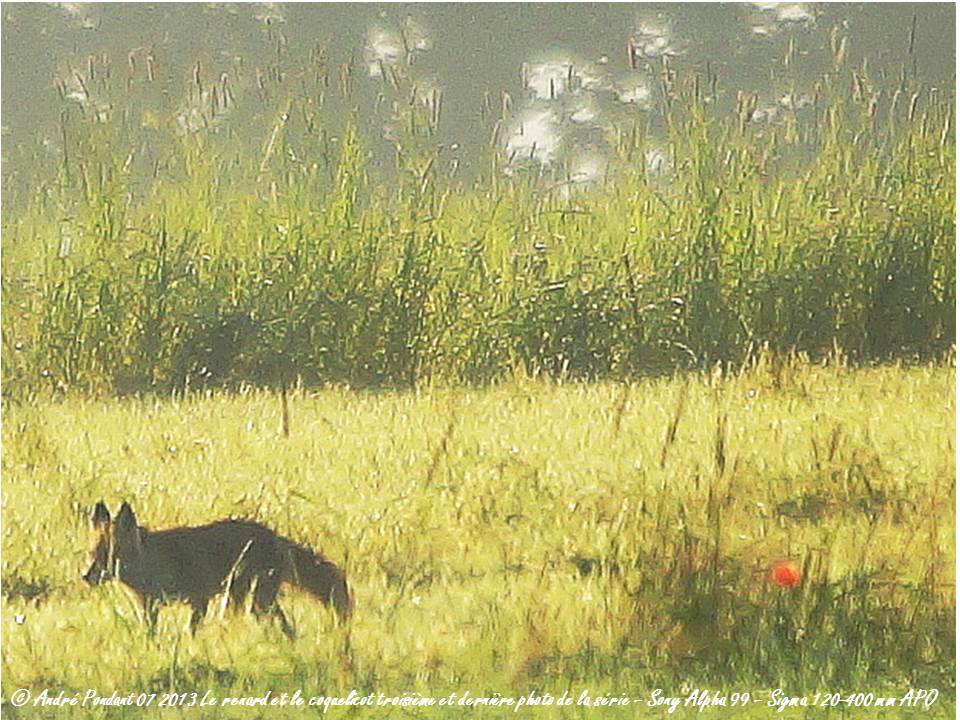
{"x": 100, "y": 516}
{"x": 126, "y": 520}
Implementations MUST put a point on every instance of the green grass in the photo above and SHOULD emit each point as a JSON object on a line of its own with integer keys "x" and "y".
{"x": 529, "y": 536}
{"x": 153, "y": 261}
{"x": 506, "y": 526}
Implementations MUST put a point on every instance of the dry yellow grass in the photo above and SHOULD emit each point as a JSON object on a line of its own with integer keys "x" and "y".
{"x": 525, "y": 536}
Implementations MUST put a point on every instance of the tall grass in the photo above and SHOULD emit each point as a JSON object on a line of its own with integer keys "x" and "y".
{"x": 211, "y": 260}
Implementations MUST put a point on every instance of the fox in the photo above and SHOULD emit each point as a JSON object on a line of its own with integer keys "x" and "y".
{"x": 240, "y": 559}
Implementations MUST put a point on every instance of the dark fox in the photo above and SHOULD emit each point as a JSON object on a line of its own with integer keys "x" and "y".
{"x": 240, "y": 558}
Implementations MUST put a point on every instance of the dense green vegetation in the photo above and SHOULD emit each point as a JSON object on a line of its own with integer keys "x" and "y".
{"x": 207, "y": 261}
{"x": 766, "y": 314}
{"x": 603, "y": 537}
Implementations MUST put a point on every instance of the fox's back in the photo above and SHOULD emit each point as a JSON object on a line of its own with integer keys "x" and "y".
{"x": 194, "y": 562}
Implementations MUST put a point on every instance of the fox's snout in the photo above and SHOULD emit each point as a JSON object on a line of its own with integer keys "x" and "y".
{"x": 103, "y": 555}
{"x": 98, "y": 571}
{"x": 94, "y": 575}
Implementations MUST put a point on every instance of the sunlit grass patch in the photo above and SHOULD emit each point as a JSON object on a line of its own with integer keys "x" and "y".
{"x": 528, "y": 535}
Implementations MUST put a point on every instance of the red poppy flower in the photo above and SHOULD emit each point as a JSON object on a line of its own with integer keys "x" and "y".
{"x": 785, "y": 573}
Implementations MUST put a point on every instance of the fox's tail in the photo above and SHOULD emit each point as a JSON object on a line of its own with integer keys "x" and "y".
{"x": 319, "y": 577}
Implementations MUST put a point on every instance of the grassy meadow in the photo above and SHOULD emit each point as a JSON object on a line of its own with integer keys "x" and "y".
{"x": 532, "y": 536}
{"x": 557, "y": 432}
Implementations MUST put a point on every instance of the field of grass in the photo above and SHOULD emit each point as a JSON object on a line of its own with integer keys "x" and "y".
{"x": 152, "y": 259}
{"x": 557, "y": 433}
{"x": 531, "y": 536}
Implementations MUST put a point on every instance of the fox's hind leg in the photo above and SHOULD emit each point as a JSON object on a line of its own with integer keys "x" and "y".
{"x": 285, "y": 625}
{"x": 265, "y": 602}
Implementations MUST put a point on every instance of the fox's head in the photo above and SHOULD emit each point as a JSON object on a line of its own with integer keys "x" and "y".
{"x": 116, "y": 549}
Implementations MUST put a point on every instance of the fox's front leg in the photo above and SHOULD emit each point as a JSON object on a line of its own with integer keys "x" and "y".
{"x": 151, "y": 609}
{"x": 199, "y": 611}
